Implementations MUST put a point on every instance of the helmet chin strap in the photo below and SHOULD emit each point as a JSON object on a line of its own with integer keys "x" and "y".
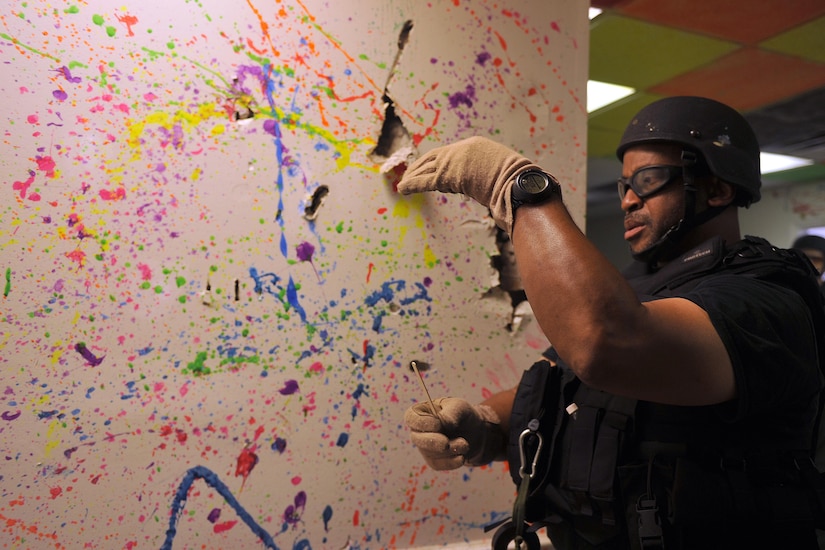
{"x": 665, "y": 245}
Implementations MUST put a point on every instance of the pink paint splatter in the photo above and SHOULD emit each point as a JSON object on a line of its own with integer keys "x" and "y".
{"x": 77, "y": 256}
{"x": 23, "y": 186}
{"x": 32, "y": 119}
{"x": 145, "y": 272}
{"x": 115, "y": 195}
{"x": 46, "y": 164}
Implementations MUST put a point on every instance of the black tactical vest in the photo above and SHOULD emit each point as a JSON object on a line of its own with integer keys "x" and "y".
{"x": 602, "y": 482}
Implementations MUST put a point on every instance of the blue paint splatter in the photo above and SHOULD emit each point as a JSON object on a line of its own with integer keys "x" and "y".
{"x": 211, "y": 479}
{"x": 327, "y": 515}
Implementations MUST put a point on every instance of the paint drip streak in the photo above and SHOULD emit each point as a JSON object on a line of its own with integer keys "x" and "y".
{"x": 211, "y": 479}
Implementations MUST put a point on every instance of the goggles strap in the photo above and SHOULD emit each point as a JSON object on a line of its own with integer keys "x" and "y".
{"x": 689, "y": 219}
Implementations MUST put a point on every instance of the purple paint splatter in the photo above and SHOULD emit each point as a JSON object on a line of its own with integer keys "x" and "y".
{"x": 90, "y": 357}
{"x": 305, "y": 251}
{"x": 290, "y": 387}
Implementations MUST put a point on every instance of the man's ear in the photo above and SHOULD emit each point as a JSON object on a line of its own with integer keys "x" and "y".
{"x": 720, "y": 193}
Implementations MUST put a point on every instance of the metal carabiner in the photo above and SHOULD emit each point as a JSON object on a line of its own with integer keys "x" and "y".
{"x": 532, "y": 429}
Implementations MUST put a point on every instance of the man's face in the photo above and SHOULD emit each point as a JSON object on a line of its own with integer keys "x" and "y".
{"x": 817, "y": 258}
{"x": 647, "y": 220}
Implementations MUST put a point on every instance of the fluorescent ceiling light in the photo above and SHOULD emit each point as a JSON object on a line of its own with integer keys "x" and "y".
{"x": 593, "y": 12}
{"x": 771, "y": 162}
{"x": 600, "y": 94}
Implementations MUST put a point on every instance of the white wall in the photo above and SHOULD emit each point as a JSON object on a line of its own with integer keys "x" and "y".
{"x": 141, "y": 409}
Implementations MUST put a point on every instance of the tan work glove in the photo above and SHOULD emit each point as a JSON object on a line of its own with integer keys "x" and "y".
{"x": 469, "y": 434}
{"x": 477, "y": 167}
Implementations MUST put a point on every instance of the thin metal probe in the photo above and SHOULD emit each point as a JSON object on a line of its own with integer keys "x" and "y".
{"x": 414, "y": 367}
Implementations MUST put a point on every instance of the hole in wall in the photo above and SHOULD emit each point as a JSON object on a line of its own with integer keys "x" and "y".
{"x": 509, "y": 278}
{"x": 240, "y": 103}
{"x": 395, "y": 146}
{"x": 315, "y": 201}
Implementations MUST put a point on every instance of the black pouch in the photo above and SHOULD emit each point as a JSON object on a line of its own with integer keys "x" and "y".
{"x": 537, "y": 399}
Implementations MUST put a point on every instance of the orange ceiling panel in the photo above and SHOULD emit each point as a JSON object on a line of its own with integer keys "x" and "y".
{"x": 747, "y": 79}
{"x": 743, "y": 21}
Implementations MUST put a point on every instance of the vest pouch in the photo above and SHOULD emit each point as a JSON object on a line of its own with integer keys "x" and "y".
{"x": 538, "y": 397}
{"x": 598, "y": 426}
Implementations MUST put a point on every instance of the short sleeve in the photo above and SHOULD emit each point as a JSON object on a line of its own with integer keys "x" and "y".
{"x": 768, "y": 332}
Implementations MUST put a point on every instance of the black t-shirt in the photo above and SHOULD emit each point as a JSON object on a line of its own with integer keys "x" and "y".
{"x": 768, "y": 331}
{"x": 769, "y": 335}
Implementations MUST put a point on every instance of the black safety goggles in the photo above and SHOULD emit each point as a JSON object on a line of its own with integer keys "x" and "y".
{"x": 649, "y": 180}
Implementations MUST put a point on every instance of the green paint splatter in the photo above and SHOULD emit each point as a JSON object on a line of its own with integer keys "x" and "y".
{"x": 170, "y": 45}
{"x": 180, "y": 281}
{"x": 197, "y": 367}
{"x": 16, "y": 42}
{"x": 72, "y": 9}
{"x": 182, "y": 299}
{"x": 111, "y": 31}
{"x": 7, "y": 288}
{"x": 97, "y": 19}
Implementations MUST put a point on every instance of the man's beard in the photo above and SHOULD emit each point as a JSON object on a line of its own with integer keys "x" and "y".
{"x": 653, "y": 245}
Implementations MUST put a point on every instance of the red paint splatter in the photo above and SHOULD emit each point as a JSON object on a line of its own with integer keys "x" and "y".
{"x": 356, "y": 518}
{"x": 55, "y": 492}
{"x": 247, "y": 461}
{"x": 369, "y": 271}
{"x": 258, "y": 433}
{"x": 128, "y": 20}
{"x": 225, "y": 526}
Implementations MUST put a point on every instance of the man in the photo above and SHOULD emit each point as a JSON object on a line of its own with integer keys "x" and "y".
{"x": 813, "y": 246}
{"x": 677, "y": 405}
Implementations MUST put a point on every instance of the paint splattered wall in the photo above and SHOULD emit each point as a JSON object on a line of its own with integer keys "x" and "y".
{"x": 211, "y": 292}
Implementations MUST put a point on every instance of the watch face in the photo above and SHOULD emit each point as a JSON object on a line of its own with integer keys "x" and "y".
{"x": 533, "y": 182}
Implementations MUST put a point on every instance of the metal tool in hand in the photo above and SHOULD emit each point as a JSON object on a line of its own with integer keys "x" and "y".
{"x": 416, "y": 367}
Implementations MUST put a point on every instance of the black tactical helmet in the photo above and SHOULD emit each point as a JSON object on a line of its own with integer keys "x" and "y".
{"x": 717, "y": 132}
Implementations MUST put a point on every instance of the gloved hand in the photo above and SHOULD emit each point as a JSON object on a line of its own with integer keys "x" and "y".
{"x": 469, "y": 434}
{"x": 477, "y": 167}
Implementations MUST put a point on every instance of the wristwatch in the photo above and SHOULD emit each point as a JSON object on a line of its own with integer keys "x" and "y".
{"x": 533, "y": 187}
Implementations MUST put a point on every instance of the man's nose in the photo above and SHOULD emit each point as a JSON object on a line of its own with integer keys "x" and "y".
{"x": 630, "y": 201}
